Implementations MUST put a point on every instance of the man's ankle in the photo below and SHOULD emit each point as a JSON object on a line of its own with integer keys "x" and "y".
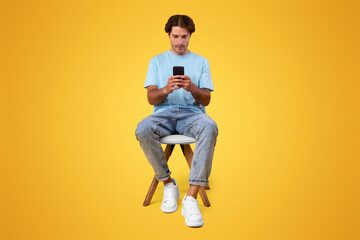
{"x": 169, "y": 180}
{"x": 192, "y": 195}
{"x": 193, "y": 191}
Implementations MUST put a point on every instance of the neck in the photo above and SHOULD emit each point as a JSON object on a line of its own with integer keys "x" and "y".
{"x": 174, "y": 52}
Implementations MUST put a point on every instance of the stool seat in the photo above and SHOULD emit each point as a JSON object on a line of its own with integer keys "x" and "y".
{"x": 177, "y": 139}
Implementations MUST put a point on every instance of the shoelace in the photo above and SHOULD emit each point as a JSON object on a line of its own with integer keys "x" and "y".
{"x": 169, "y": 192}
{"x": 193, "y": 207}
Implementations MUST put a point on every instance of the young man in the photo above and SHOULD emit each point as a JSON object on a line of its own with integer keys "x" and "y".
{"x": 179, "y": 107}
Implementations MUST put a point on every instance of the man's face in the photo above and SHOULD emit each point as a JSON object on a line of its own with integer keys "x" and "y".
{"x": 179, "y": 40}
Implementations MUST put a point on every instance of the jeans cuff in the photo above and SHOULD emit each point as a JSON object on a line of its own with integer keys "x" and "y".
{"x": 164, "y": 177}
{"x": 199, "y": 182}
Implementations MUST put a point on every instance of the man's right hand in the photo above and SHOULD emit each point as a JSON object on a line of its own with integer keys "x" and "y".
{"x": 174, "y": 83}
{"x": 156, "y": 95}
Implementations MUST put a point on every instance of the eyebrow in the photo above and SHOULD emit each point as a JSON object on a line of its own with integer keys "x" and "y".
{"x": 179, "y": 35}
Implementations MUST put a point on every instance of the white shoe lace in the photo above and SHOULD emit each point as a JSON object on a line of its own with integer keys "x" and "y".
{"x": 193, "y": 207}
{"x": 169, "y": 192}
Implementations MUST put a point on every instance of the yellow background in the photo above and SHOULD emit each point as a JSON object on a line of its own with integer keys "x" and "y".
{"x": 286, "y": 101}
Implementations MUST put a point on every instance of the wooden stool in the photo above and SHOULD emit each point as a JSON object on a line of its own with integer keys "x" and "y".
{"x": 184, "y": 142}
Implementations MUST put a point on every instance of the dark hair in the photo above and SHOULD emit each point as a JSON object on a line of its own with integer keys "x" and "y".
{"x": 180, "y": 21}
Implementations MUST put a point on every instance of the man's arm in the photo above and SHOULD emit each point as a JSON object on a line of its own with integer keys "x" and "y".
{"x": 201, "y": 95}
{"x": 156, "y": 95}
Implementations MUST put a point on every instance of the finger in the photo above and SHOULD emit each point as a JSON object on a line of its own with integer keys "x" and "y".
{"x": 175, "y": 79}
{"x": 172, "y": 77}
{"x": 174, "y": 88}
{"x": 176, "y": 83}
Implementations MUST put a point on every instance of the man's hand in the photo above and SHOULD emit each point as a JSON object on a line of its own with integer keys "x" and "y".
{"x": 174, "y": 83}
{"x": 187, "y": 84}
{"x": 201, "y": 95}
{"x": 156, "y": 95}
{"x": 181, "y": 81}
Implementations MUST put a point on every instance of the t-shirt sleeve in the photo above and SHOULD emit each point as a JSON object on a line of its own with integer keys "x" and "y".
{"x": 152, "y": 74}
{"x": 205, "y": 79}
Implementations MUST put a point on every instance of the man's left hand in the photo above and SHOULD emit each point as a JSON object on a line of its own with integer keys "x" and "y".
{"x": 187, "y": 84}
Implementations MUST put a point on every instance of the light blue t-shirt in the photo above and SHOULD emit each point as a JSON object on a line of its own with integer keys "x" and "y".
{"x": 161, "y": 68}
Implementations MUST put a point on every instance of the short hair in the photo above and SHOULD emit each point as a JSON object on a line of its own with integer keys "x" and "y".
{"x": 180, "y": 21}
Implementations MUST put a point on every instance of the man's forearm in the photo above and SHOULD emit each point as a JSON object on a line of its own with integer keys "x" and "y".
{"x": 156, "y": 96}
{"x": 201, "y": 95}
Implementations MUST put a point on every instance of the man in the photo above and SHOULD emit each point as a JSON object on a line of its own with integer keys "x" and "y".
{"x": 179, "y": 107}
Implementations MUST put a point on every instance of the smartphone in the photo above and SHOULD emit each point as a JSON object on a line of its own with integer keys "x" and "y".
{"x": 178, "y": 70}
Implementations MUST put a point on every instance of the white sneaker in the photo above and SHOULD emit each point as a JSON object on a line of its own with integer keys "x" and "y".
{"x": 171, "y": 195}
{"x": 191, "y": 212}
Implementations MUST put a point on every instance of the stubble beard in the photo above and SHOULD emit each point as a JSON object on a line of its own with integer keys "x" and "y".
{"x": 182, "y": 52}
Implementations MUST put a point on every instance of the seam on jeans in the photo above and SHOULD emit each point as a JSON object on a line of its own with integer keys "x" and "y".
{"x": 197, "y": 129}
{"x": 164, "y": 176}
{"x": 198, "y": 180}
{"x": 156, "y": 127}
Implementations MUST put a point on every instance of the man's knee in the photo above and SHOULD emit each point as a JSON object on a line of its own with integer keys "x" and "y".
{"x": 143, "y": 129}
{"x": 209, "y": 127}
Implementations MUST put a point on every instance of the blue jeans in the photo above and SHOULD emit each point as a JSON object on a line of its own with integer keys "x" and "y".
{"x": 181, "y": 121}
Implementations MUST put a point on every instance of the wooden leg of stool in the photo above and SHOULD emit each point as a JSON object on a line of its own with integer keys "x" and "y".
{"x": 151, "y": 191}
{"x": 188, "y": 153}
{"x": 168, "y": 150}
{"x": 204, "y": 197}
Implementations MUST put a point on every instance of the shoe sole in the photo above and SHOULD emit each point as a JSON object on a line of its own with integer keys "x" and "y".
{"x": 191, "y": 224}
{"x": 167, "y": 210}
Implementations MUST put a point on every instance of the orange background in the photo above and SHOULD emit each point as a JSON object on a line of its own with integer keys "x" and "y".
{"x": 286, "y": 101}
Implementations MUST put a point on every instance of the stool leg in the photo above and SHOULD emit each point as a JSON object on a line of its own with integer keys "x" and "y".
{"x": 168, "y": 150}
{"x": 151, "y": 192}
{"x": 188, "y": 153}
